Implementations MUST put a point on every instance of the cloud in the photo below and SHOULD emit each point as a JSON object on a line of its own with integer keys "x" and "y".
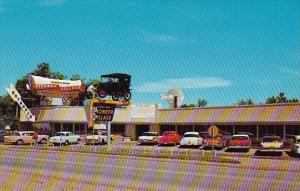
{"x": 289, "y": 71}
{"x": 163, "y": 38}
{"x": 183, "y": 83}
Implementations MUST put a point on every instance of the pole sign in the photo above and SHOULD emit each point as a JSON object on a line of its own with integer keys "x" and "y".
{"x": 103, "y": 112}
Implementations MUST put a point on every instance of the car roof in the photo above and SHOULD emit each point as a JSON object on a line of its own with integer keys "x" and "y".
{"x": 240, "y": 135}
{"x": 191, "y": 132}
{"x": 116, "y": 75}
{"x": 297, "y": 136}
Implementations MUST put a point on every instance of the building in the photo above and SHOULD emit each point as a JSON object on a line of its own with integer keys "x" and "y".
{"x": 278, "y": 119}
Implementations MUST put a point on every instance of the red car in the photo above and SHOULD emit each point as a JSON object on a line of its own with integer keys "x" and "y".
{"x": 241, "y": 141}
{"x": 169, "y": 137}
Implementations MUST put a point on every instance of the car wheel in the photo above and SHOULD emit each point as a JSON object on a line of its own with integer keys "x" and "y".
{"x": 103, "y": 142}
{"x": 127, "y": 96}
{"x": 20, "y": 142}
{"x": 115, "y": 96}
{"x": 67, "y": 143}
{"x": 43, "y": 141}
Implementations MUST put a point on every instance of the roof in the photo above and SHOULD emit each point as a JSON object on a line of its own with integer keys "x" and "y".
{"x": 58, "y": 114}
{"x": 255, "y": 114}
{"x": 288, "y": 114}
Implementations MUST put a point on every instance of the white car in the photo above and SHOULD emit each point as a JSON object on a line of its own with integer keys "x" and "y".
{"x": 99, "y": 138}
{"x": 149, "y": 138}
{"x": 295, "y": 145}
{"x": 191, "y": 139}
{"x": 64, "y": 137}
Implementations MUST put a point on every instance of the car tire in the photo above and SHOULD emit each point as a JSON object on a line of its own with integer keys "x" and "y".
{"x": 20, "y": 142}
{"x": 66, "y": 143}
{"x": 102, "y": 142}
{"x": 43, "y": 141}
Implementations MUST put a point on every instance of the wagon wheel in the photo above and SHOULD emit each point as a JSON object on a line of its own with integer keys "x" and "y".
{"x": 127, "y": 96}
{"x": 115, "y": 96}
{"x": 102, "y": 94}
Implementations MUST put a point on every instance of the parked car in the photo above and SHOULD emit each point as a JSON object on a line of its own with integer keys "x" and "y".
{"x": 149, "y": 138}
{"x": 191, "y": 139}
{"x": 295, "y": 144}
{"x": 24, "y": 137}
{"x": 254, "y": 141}
{"x": 210, "y": 142}
{"x": 169, "y": 137}
{"x": 240, "y": 141}
{"x": 287, "y": 140}
{"x": 64, "y": 137}
{"x": 271, "y": 143}
{"x": 99, "y": 138}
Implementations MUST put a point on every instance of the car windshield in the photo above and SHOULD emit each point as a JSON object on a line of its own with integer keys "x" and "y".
{"x": 239, "y": 138}
{"x": 271, "y": 139}
{"x": 59, "y": 134}
{"x": 16, "y": 134}
{"x": 150, "y": 134}
{"x": 191, "y": 135}
{"x": 168, "y": 134}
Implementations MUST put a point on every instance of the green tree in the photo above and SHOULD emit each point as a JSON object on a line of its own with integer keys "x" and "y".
{"x": 78, "y": 77}
{"x": 202, "y": 102}
{"x": 188, "y": 105}
{"x": 248, "y": 101}
{"x": 293, "y": 100}
{"x": 43, "y": 70}
{"x": 58, "y": 75}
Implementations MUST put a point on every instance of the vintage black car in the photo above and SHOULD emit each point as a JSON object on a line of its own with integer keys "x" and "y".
{"x": 116, "y": 85}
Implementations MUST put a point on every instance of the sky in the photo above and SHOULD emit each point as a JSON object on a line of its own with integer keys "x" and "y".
{"x": 221, "y": 51}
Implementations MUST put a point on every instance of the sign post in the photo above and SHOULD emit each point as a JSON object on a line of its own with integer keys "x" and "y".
{"x": 213, "y": 131}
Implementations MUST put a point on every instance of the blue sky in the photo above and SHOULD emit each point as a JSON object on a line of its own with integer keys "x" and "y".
{"x": 222, "y": 51}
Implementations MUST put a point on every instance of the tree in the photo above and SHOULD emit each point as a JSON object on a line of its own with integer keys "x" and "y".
{"x": 293, "y": 100}
{"x": 281, "y": 98}
{"x": 78, "y": 77}
{"x": 248, "y": 101}
{"x": 43, "y": 70}
{"x": 188, "y": 105}
{"x": 202, "y": 102}
{"x": 58, "y": 75}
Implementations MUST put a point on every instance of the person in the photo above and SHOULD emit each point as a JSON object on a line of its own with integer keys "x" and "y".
{"x": 92, "y": 89}
{"x": 35, "y": 136}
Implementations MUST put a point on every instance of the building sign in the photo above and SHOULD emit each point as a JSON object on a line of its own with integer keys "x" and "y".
{"x": 103, "y": 112}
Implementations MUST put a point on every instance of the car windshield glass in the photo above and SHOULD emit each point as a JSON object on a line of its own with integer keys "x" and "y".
{"x": 59, "y": 134}
{"x": 150, "y": 134}
{"x": 271, "y": 139}
{"x": 240, "y": 138}
{"x": 191, "y": 135}
{"x": 168, "y": 134}
{"x": 16, "y": 134}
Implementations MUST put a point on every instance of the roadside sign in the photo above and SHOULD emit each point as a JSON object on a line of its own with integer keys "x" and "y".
{"x": 103, "y": 112}
{"x": 213, "y": 131}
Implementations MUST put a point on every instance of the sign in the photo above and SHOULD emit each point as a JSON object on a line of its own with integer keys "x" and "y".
{"x": 103, "y": 112}
{"x": 213, "y": 131}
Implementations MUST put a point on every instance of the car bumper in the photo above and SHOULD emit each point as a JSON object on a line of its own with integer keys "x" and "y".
{"x": 238, "y": 147}
{"x": 145, "y": 141}
{"x": 92, "y": 141}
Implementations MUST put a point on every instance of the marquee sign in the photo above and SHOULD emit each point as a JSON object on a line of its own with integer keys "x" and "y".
{"x": 103, "y": 112}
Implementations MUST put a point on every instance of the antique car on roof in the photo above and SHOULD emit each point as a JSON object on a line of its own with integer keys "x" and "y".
{"x": 116, "y": 85}
{"x": 149, "y": 138}
{"x": 191, "y": 139}
{"x": 239, "y": 141}
{"x": 169, "y": 137}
